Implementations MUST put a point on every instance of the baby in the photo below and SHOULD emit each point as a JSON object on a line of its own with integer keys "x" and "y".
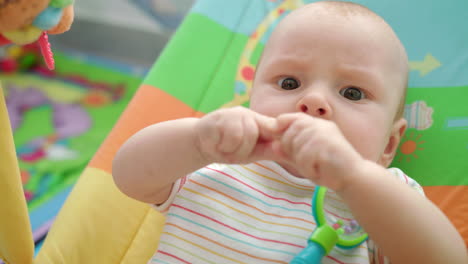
{"x": 326, "y": 109}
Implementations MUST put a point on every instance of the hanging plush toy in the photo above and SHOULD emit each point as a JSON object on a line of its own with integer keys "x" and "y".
{"x": 27, "y": 21}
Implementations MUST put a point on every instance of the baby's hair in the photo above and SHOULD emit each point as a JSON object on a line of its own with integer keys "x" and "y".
{"x": 346, "y": 8}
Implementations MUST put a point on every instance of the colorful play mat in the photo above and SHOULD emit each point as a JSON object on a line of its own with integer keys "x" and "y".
{"x": 59, "y": 119}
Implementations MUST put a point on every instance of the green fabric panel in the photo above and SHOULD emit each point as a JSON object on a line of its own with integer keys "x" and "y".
{"x": 221, "y": 88}
{"x": 200, "y": 58}
{"x": 436, "y": 155}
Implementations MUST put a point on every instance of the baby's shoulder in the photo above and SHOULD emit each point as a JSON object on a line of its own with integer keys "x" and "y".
{"x": 402, "y": 176}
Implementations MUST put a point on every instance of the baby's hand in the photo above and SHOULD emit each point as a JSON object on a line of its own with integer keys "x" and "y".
{"x": 235, "y": 135}
{"x": 317, "y": 149}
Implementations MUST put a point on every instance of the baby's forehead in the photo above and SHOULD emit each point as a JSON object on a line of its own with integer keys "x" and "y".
{"x": 359, "y": 32}
{"x": 349, "y": 14}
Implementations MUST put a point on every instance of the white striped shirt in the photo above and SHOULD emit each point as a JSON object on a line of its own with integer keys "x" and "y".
{"x": 255, "y": 213}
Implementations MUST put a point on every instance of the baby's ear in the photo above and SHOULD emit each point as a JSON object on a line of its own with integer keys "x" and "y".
{"x": 398, "y": 129}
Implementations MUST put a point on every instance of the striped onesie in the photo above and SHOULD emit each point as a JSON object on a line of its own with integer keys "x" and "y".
{"x": 254, "y": 213}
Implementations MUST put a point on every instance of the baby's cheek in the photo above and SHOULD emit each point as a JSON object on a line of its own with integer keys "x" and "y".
{"x": 368, "y": 143}
{"x": 264, "y": 109}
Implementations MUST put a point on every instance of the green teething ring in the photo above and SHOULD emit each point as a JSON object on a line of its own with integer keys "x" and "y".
{"x": 318, "y": 213}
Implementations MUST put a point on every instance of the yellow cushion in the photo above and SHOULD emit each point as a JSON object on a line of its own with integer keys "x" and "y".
{"x": 100, "y": 224}
{"x": 16, "y": 244}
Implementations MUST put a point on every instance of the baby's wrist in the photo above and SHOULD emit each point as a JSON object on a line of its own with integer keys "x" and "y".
{"x": 357, "y": 175}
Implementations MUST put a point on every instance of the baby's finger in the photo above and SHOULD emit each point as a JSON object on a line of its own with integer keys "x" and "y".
{"x": 267, "y": 127}
{"x": 287, "y": 139}
{"x": 284, "y": 121}
{"x": 250, "y": 130}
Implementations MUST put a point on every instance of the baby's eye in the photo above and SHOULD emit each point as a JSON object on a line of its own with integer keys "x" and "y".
{"x": 289, "y": 83}
{"x": 352, "y": 93}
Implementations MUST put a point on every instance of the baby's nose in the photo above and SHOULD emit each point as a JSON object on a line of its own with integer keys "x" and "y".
{"x": 315, "y": 105}
{"x": 319, "y": 111}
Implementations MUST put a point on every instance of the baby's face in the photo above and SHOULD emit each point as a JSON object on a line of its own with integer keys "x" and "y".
{"x": 340, "y": 69}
